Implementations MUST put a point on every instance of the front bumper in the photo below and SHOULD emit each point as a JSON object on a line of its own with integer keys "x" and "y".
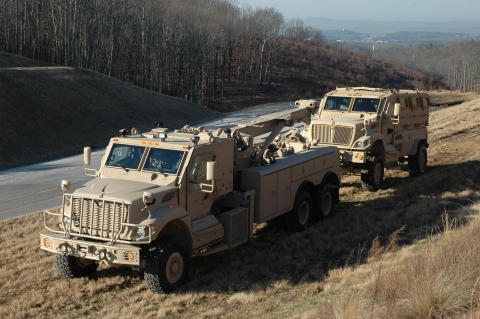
{"x": 352, "y": 156}
{"x": 100, "y": 251}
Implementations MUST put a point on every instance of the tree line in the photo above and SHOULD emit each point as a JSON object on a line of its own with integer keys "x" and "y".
{"x": 185, "y": 48}
{"x": 456, "y": 62}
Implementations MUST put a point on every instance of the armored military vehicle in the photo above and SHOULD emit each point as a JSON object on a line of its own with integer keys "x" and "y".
{"x": 161, "y": 196}
{"x": 374, "y": 129}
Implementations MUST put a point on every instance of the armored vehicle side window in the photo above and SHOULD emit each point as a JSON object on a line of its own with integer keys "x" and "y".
{"x": 165, "y": 161}
{"x": 336, "y": 103}
{"x": 403, "y": 101}
{"x": 365, "y": 105}
{"x": 126, "y": 156}
{"x": 415, "y": 102}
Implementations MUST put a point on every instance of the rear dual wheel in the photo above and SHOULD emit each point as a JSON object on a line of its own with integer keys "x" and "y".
{"x": 300, "y": 217}
{"x": 417, "y": 164}
{"x": 323, "y": 201}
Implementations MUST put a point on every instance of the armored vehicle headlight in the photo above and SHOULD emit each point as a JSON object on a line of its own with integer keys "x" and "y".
{"x": 363, "y": 144}
{"x": 66, "y": 220}
{"x": 140, "y": 231}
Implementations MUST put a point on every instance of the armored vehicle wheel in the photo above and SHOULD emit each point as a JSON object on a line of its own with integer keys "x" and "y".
{"x": 301, "y": 216}
{"x": 323, "y": 201}
{"x": 373, "y": 176}
{"x": 167, "y": 265}
{"x": 417, "y": 164}
{"x": 74, "y": 267}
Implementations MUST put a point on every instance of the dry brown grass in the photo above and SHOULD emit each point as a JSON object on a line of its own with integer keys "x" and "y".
{"x": 409, "y": 250}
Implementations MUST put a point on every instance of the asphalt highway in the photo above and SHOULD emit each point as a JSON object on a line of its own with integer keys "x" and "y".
{"x": 33, "y": 188}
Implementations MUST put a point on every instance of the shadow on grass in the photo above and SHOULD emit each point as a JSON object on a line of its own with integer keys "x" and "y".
{"x": 343, "y": 240}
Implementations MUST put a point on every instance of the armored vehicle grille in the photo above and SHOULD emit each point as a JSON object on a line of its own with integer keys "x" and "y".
{"x": 97, "y": 217}
{"x": 341, "y": 135}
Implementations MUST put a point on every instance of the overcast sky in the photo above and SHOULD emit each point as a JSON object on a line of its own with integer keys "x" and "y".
{"x": 380, "y": 10}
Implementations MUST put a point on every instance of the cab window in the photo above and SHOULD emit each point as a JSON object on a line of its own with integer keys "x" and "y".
{"x": 365, "y": 105}
{"x": 125, "y": 156}
{"x": 337, "y": 103}
{"x": 164, "y": 161}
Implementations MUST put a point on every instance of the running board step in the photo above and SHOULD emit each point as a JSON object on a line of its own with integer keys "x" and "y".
{"x": 222, "y": 245}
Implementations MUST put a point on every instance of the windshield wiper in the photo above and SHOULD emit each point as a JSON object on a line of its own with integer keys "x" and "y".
{"x": 157, "y": 170}
{"x": 121, "y": 167}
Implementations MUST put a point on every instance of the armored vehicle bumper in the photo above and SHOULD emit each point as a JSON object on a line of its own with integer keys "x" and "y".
{"x": 113, "y": 254}
{"x": 347, "y": 156}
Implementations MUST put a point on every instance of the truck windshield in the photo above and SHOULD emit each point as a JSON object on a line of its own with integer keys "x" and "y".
{"x": 125, "y": 156}
{"x": 365, "y": 105}
{"x": 337, "y": 103}
{"x": 164, "y": 161}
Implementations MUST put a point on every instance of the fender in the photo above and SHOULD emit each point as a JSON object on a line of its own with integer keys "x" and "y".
{"x": 163, "y": 215}
{"x": 413, "y": 151}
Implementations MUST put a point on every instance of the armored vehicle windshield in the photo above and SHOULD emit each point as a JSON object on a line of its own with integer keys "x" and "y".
{"x": 165, "y": 161}
{"x": 340, "y": 103}
{"x": 158, "y": 160}
{"x": 125, "y": 156}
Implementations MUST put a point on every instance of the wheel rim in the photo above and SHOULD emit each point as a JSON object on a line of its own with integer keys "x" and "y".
{"x": 303, "y": 213}
{"x": 327, "y": 204}
{"x": 377, "y": 174}
{"x": 422, "y": 162}
{"x": 174, "y": 267}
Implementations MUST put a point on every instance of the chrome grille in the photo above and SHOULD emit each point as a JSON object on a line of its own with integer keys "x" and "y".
{"x": 341, "y": 135}
{"x": 98, "y": 217}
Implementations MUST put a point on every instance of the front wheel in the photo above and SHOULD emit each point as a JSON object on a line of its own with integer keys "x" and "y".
{"x": 74, "y": 267}
{"x": 417, "y": 164}
{"x": 372, "y": 173}
{"x": 167, "y": 265}
{"x": 323, "y": 201}
{"x": 301, "y": 216}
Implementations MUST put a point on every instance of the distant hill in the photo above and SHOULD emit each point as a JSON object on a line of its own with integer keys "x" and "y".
{"x": 397, "y": 37}
{"x": 48, "y": 111}
{"x": 470, "y": 27}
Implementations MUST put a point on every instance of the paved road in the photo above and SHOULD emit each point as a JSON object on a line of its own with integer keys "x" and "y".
{"x": 34, "y": 188}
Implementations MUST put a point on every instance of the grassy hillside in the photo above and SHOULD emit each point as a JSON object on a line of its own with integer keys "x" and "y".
{"x": 409, "y": 250}
{"x": 47, "y": 111}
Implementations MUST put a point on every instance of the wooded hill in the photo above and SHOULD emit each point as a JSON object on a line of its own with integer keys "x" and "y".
{"x": 211, "y": 52}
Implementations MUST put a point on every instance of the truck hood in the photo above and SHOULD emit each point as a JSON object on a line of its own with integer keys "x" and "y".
{"x": 117, "y": 189}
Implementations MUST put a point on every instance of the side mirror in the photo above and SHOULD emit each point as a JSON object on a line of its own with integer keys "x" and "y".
{"x": 210, "y": 176}
{"x": 87, "y": 159}
{"x": 211, "y": 171}
{"x": 396, "y": 110}
{"x": 147, "y": 197}
{"x": 87, "y": 155}
{"x": 65, "y": 185}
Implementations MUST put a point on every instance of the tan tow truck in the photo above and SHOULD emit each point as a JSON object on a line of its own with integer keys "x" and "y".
{"x": 374, "y": 129}
{"x": 161, "y": 196}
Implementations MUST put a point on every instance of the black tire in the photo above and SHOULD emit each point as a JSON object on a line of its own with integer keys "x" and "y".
{"x": 75, "y": 267}
{"x": 372, "y": 173}
{"x": 417, "y": 164}
{"x": 301, "y": 216}
{"x": 167, "y": 264}
{"x": 323, "y": 201}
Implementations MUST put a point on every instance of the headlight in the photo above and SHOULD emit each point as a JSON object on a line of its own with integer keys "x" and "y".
{"x": 66, "y": 220}
{"x": 140, "y": 232}
{"x": 363, "y": 144}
